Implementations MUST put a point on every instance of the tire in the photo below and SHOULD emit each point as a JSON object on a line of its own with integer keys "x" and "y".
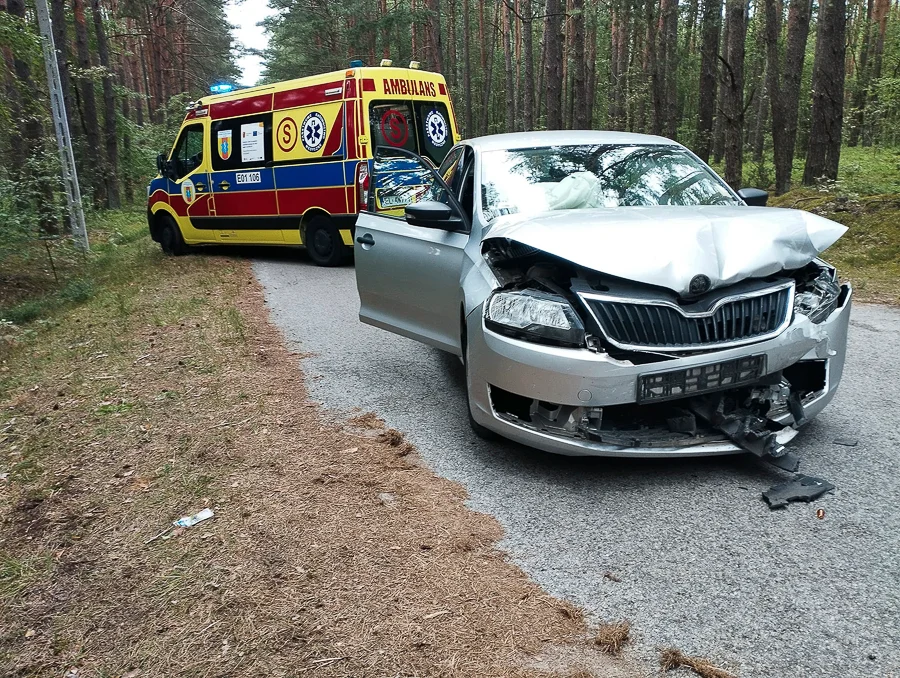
{"x": 323, "y": 242}
{"x": 484, "y": 433}
{"x": 170, "y": 239}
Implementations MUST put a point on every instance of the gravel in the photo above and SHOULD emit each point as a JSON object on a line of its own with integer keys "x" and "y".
{"x": 704, "y": 565}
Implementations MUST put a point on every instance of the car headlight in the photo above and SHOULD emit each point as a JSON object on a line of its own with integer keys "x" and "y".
{"x": 817, "y": 298}
{"x": 534, "y": 316}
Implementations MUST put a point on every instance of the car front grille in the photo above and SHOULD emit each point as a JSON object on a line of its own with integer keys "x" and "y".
{"x": 732, "y": 320}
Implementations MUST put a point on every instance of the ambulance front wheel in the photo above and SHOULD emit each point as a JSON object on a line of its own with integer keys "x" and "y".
{"x": 324, "y": 243}
{"x": 170, "y": 239}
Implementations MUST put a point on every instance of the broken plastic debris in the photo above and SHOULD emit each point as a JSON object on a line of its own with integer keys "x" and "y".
{"x": 846, "y": 442}
{"x": 801, "y": 488}
{"x": 190, "y": 521}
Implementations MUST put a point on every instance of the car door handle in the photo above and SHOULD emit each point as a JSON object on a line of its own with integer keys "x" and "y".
{"x": 366, "y": 239}
{"x": 224, "y": 185}
{"x": 200, "y": 187}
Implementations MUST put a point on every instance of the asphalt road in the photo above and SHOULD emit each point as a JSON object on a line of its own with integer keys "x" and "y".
{"x": 704, "y": 565}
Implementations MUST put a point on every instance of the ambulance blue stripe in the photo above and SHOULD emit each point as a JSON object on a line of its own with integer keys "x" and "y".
{"x": 310, "y": 175}
{"x": 266, "y": 183}
{"x": 350, "y": 172}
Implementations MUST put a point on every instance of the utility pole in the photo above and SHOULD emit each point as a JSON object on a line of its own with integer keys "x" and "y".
{"x": 61, "y": 127}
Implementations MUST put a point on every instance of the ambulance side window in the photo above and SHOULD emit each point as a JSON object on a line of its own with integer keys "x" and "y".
{"x": 241, "y": 143}
{"x": 188, "y": 152}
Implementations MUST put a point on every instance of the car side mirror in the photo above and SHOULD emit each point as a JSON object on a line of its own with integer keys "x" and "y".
{"x": 431, "y": 214}
{"x": 754, "y": 197}
{"x": 161, "y": 164}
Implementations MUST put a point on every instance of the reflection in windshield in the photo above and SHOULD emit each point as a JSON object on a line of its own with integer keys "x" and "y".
{"x": 532, "y": 180}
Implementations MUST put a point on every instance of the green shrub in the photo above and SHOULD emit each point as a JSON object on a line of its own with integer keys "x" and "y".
{"x": 78, "y": 291}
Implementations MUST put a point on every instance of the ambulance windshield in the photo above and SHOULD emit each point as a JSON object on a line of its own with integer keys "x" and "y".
{"x": 419, "y": 126}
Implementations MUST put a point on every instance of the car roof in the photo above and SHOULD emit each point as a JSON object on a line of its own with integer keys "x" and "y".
{"x": 499, "y": 142}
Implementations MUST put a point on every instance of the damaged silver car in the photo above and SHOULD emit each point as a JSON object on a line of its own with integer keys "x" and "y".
{"x": 607, "y": 293}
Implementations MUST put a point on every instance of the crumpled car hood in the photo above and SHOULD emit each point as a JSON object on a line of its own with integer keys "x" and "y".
{"x": 668, "y": 246}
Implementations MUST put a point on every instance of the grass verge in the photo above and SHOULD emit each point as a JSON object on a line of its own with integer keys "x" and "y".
{"x": 332, "y": 549}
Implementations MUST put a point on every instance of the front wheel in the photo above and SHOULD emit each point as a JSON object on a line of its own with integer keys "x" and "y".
{"x": 170, "y": 239}
{"x": 324, "y": 244}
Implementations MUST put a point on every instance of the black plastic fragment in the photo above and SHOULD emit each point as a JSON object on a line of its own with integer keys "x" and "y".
{"x": 801, "y": 488}
{"x": 846, "y": 442}
{"x": 787, "y": 461}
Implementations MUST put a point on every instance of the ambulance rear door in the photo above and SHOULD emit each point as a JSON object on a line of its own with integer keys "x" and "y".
{"x": 420, "y": 126}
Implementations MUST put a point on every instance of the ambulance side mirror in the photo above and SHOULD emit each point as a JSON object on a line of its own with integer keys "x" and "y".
{"x": 161, "y": 164}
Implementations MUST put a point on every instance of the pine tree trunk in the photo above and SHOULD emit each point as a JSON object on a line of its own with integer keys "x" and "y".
{"x": 528, "y": 48}
{"x": 761, "y": 117}
{"x": 669, "y": 20}
{"x": 17, "y": 145}
{"x": 435, "y": 53}
{"x": 711, "y": 27}
{"x": 553, "y": 76}
{"x": 489, "y": 76}
{"x": 719, "y": 127}
{"x": 32, "y": 129}
{"x": 882, "y": 10}
{"x": 467, "y": 72}
{"x": 89, "y": 117}
{"x": 826, "y": 117}
{"x": 784, "y": 93}
{"x": 452, "y": 61}
{"x": 414, "y": 31}
{"x": 591, "y": 68}
{"x": 510, "y": 112}
{"x": 736, "y": 18}
{"x": 61, "y": 42}
{"x": 508, "y": 63}
{"x": 580, "y": 102}
{"x": 862, "y": 80}
{"x": 111, "y": 137}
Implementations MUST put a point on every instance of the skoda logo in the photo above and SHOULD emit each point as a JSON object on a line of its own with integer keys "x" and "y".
{"x": 699, "y": 284}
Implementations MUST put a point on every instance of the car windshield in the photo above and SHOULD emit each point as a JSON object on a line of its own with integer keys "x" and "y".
{"x": 532, "y": 180}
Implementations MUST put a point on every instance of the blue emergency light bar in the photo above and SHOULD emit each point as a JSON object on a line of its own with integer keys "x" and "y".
{"x": 221, "y": 88}
{"x": 356, "y": 63}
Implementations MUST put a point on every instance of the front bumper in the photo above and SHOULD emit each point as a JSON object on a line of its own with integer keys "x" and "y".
{"x": 583, "y": 378}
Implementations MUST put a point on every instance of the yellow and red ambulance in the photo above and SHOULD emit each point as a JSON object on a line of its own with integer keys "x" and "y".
{"x": 288, "y": 163}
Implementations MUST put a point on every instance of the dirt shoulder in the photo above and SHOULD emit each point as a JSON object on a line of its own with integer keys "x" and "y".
{"x": 332, "y": 551}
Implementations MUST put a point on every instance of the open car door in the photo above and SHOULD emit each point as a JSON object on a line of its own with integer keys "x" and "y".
{"x": 409, "y": 252}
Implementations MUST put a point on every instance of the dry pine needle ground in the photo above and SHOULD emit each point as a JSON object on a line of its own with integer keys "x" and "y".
{"x": 331, "y": 552}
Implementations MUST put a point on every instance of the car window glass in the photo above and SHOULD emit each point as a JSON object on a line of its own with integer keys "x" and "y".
{"x": 398, "y": 181}
{"x": 532, "y": 180}
{"x": 467, "y": 190}
{"x": 450, "y": 167}
{"x": 188, "y": 153}
{"x": 241, "y": 143}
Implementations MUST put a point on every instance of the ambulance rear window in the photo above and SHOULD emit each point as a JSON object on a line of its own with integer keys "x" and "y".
{"x": 421, "y": 126}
